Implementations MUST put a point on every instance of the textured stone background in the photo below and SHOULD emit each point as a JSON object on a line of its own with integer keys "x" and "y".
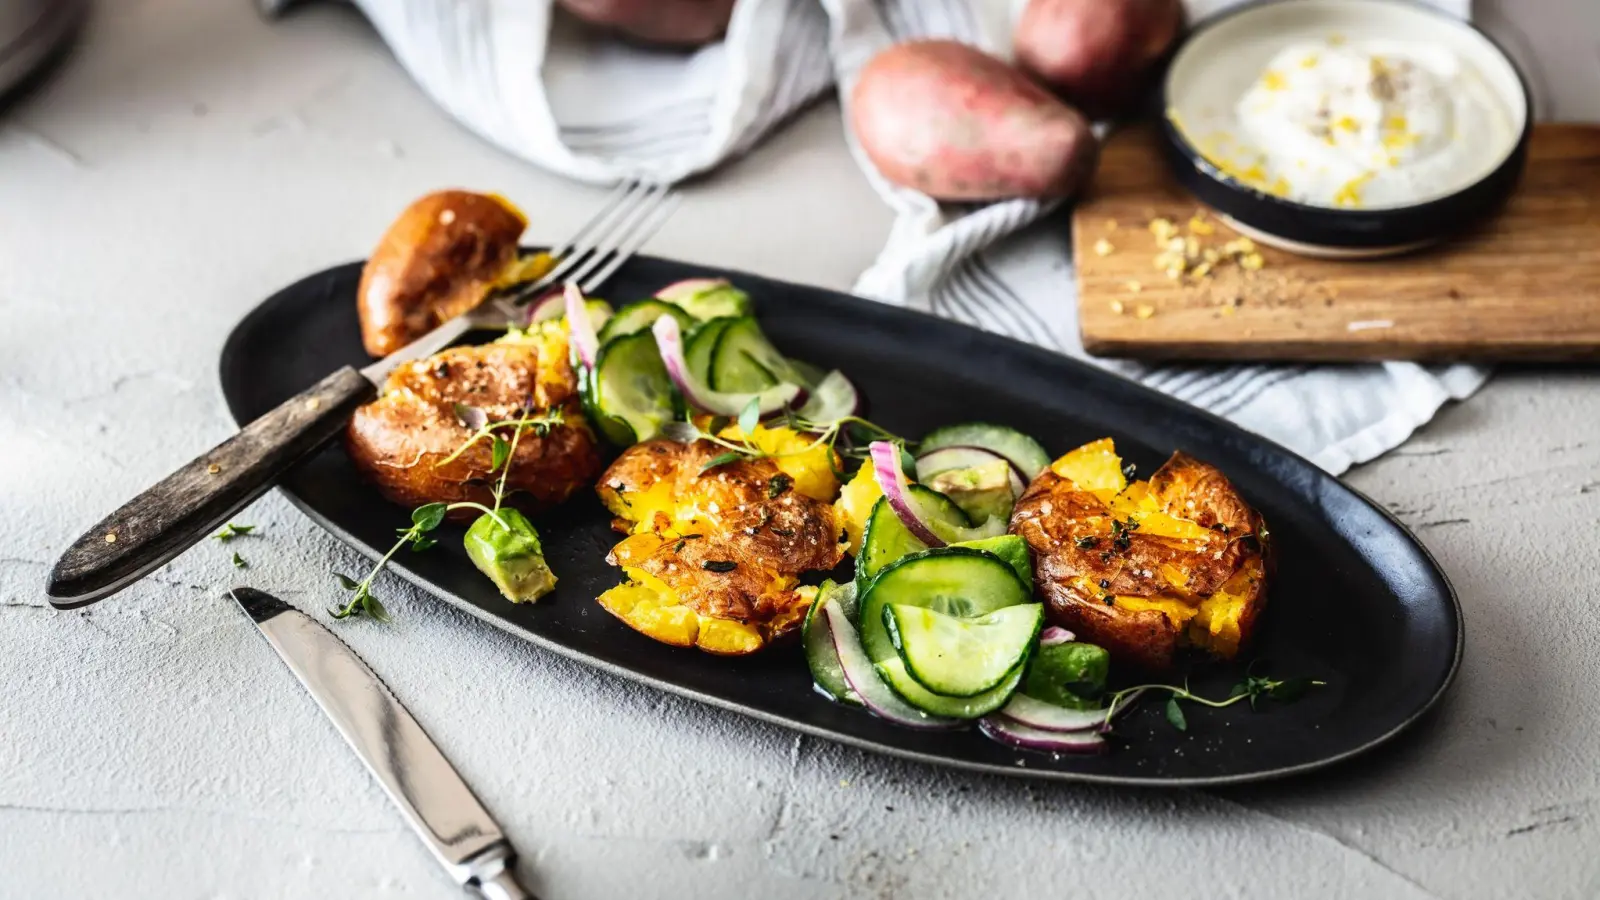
{"x": 192, "y": 159}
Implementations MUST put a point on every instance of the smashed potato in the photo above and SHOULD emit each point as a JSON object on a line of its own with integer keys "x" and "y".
{"x": 713, "y": 558}
{"x": 1143, "y": 569}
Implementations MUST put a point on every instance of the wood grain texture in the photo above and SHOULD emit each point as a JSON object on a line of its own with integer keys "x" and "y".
{"x": 189, "y": 504}
{"x": 1524, "y": 285}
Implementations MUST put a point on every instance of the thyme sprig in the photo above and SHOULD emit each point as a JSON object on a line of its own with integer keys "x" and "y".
{"x": 1251, "y": 689}
{"x": 847, "y": 437}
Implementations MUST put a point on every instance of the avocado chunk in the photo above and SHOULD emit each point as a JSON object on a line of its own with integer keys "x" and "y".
{"x": 507, "y": 549}
{"x": 1072, "y": 674}
{"x": 983, "y": 492}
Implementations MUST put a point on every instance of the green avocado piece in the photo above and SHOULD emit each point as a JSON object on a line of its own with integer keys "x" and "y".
{"x": 511, "y": 555}
{"x": 983, "y": 492}
{"x": 1071, "y": 675}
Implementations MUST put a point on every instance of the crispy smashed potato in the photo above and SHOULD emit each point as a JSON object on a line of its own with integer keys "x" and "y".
{"x": 713, "y": 558}
{"x": 439, "y": 259}
{"x": 403, "y": 441}
{"x": 1145, "y": 568}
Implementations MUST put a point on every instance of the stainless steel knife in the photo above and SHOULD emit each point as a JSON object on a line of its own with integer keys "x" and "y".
{"x": 437, "y": 804}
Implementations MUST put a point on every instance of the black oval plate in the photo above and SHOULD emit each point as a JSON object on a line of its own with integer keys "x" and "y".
{"x": 1358, "y": 602}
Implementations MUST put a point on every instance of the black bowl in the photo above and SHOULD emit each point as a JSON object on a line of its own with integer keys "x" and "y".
{"x": 1327, "y": 231}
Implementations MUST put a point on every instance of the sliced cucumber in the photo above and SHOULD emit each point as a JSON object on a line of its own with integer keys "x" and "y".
{"x": 716, "y": 300}
{"x": 817, "y": 636}
{"x": 744, "y": 361}
{"x": 959, "y": 657}
{"x": 895, "y": 674}
{"x": 956, "y": 581}
{"x": 701, "y": 344}
{"x": 1024, "y": 452}
{"x": 637, "y": 317}
{"x": 628, "y": 395}
{"x": 1012, "y": 550}
{"x": 886, "y": 539}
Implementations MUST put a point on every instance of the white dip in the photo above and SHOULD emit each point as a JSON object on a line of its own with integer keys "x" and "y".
{"x": 1360, "y": 125}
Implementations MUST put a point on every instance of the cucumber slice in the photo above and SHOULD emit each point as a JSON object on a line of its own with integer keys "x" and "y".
{"x": 700, "y": 344}
{"x": 744, "y": 361}
{"x": 822, "y": 656}
{"x": 963, "y": 657}
{"x": 1012, "y": 550}
{"x": 628, "y": 395}
{"x": 886, "y": 538}
{"x": 956, "y": 581}
{"x": 717, "y": 300}
{"x": 637, "y": 317}
{"x": 1024, "y": 452}
{"x": 894, "y": 673}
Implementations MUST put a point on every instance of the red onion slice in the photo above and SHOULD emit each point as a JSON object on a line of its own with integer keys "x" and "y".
{"x": 552, "y": 305}
{"x": 864, "y": 680}
{"x": 892, "y": 481}
{"x": 579, "y": 326}
{"x": 681, "y": 289}
{"x": 1027, "y": 711}
{"x": 669, "y": 341}
{"x": 832, "y": 399}
{"x": 1005, "y": 731}
{"x": 1055, "y": 634}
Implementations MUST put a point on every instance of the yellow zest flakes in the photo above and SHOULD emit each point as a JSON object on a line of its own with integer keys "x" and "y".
{"x": 1134, "y": 287}
{"x": 1201, "y": 270}
{"x": 1273, "y": 80}
{"x": 1144, "y": 311}
{"x": 1103, "y": 247}
{"x": 1350, "y": 193}
{"x": 1117, "y": 307}
{"x": 1251, "y": 262}
{"x": 1163, "y": 229}
{"x": 1279, "y": 188}
{"x": 1198, "y": 225}
{"x": 1396, "y": 123}
{"x": 1310, "y": 61}
{"x": 1347, "y": 123}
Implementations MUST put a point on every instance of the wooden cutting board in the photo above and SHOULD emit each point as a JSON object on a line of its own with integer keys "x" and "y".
{"x": 1522, "y": 286}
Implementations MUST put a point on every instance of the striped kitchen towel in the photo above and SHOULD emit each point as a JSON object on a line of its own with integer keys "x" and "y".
{"x": 597, "y": 110}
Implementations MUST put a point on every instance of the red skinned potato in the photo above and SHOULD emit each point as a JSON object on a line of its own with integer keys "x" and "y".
{"x": 957, "y": 124}
{"x": 682, "y": 23}
{"x": 1099, "y": 54}
{"x": 436, "y": 261}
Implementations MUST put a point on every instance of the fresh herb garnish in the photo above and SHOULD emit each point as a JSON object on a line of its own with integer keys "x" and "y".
{"x": 231, "y": 531}
{"x": 721, "y": 460}
{"x": 1252, "y": 688}
{"x": 239, "y": 562}
{"x": 750, "y": 417}
{"x": 719, "y": 565}
{"x": 777, "y": 484}
{"x": 1088, "y": 543}
{"x": 783, "y": 532}
{"x": 1130, "y": 470}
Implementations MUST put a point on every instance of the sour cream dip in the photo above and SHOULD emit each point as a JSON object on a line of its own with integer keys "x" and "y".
{"x": 1366, "y": 124}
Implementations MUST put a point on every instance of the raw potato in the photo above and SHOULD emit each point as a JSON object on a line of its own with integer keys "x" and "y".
{"x": 957, "y": 124}
{"x": 435, "y": 262}
{"x": 1191, "y": 571}
{"x": 684, "y": 23}
{"x": 1099, "y": 54}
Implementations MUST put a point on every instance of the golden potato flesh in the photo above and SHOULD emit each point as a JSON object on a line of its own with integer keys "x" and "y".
{"x": 713, "y": 558}
{"x": 1145, "y": 568}
{"x": 405, "y": 440}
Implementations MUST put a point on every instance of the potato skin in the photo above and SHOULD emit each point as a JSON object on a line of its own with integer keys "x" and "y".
{"x": 957, "y": 124}
{"x": 398, "y": 440}
{"x": 683, "y": 23}
{"x": 1080, "y": 561}
{"x": 435, "y": 262}
{"x": 1099, "y": 54}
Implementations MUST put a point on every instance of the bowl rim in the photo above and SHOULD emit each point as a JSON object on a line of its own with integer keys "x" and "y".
{"x": 1178, "y": 141}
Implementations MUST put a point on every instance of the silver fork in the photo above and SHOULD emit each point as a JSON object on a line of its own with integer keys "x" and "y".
{"x": 186, "y": 506}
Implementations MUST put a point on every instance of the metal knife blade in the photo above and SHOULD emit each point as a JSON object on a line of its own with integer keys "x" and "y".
{"x": 437, "y": 804}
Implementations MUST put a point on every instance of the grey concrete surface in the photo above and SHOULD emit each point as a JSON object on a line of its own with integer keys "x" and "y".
{"x": 192, "y": 158}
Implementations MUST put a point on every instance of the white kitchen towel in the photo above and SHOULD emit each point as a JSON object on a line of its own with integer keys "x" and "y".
{"x": 596, "y": 109}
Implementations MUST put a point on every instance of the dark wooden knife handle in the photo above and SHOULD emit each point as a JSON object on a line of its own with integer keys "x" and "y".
{"x": 187, "y": 505}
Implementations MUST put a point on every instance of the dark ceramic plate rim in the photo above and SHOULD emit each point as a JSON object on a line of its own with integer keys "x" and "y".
{"x": 1322, "y": 226}
{"x": 233, "y": 346}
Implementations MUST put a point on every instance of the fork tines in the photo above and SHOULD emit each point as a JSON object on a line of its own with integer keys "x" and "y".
{"x": 630, "y": 215}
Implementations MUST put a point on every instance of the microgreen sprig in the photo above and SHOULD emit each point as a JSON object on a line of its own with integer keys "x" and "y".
{"x": 1252, "y": 689}
{"x": 847, "y": 437}
{"x": 424, "y": 519}
{"x": 231, "y": 531}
